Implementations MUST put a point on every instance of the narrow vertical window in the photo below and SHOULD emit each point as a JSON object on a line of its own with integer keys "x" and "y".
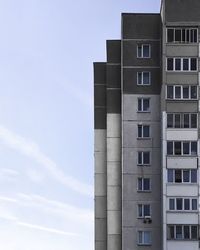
{"x": 170, "y": 35}
{"x": 170, "y": 92}
{"x": 170, "y": 64}
{"x": 193, "y": 63}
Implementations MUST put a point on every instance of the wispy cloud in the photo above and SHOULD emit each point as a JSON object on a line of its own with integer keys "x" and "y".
{"x": 33, "y": 151}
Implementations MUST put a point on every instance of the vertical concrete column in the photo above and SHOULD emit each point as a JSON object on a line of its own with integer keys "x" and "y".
{"x": 100, "y": 156}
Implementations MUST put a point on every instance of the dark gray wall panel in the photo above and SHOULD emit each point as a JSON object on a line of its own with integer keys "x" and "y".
{"x": 130, "y": 53}
{"x": 141, "y": 26}
{"x": 113, "y": 73}
{"x": 114, "y": 101}
{"x": 113, "y": 51}
{"x": 100, "y": 118}
{"x": 100, "y": 95}
{"x": 99, "y": 73}
{"x": 130, "y": 81}
{"x": 182, "y": 10}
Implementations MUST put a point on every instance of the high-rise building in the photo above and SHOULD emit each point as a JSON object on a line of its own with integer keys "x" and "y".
{"x": 147, "y": 137}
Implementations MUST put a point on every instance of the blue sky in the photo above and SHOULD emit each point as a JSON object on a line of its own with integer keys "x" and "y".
{"x": 47, "y": 49}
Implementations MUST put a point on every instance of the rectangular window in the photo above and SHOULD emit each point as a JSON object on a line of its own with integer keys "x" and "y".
{"x": 182, "y": 176}
{"x": 143, "y": 104}
{"x": 182, "y": 232}
{"x": 144, "y": 158}
{"x": 170, "y": 64}
{"x": 181, "y": 64}
{"x": 143, "y": 210}
{"x": 182, "y": 35}
{"x": 143, "y": 51}
{"x": 194, "y": 204}
{"x": 181, "y": 92}
{"x": 144, "y": 237}
{"x": 143, "y": 131}
{"x": 182, "y": 120}
{"x": 182, "y": 148}
{"x": 143, "y": 184}
{"x": 184, "y": 204}
{"x": 143, "y": 78}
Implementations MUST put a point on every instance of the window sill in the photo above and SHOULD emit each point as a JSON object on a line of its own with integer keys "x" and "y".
{"x": 143, "y": 111}
{"x": 144, "y": 165}
{"x": 145, "y": 191}
{"x": 143, "y": 244}
{"x": 144, "y": 138}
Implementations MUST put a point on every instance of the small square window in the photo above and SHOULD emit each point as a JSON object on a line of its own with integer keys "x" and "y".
{"x": 143, "y": 104}
{"x": 144, "y": 238}
{"x": 143, "y": 51}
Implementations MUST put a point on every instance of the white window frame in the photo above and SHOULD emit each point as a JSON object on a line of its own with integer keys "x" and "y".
{"x": 182, "y": 28}
{"x": 142, "y": 78}
{"x": 182, "y": 180}
{"x": 182, "y": 87}
{"x": 142, "y": 105}
{"x": 182, "y": 154}
{"x": 142, "y": 190}
{"x": 182, "y": 120}
{"x": 142, "y": 128}
{"x": 142, "y": 157}
{"x": 183, "y": 204}
{"x": 182, "y": 58}
{"x": 182, "y": 231}
{"x": 143, "y": 214}
{"x": 142, "y": 51}
{"x": 144, "y": 243}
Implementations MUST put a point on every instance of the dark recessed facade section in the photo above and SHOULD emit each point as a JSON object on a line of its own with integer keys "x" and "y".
{"x": 141, "y": 26}
{"x": 99, "y": 73}
{"x": 113, "y": 51}
{"x": 175, "y": 10}
{"x": 99, "y": 95}
{"x": 100, "y": 118}
{"x": 131, "y": 86}
{"x": 114, "y": 101}
{"x": 113, "y": 73}
{"x": 132, "y": 48}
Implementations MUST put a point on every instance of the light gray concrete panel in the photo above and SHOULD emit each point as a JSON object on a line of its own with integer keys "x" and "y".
{"x": 113, "y": 226}
{"x": 100, "y": 140}
{"x": 114, "y": 125}
{"x": 182, "y": 106}
{"x": 100, "y": 232}
{"x": 114, "y": 173}
{"x": 100, "y": 185}
{"x": 130, "y": 104}
{"x": 183, "y": 50}
{"x": 100, "y": 245}
{"x": 181, "y": 78}
{"x": 114, "y": 242}
{"x": 100, "y": 162}
{"x": 100, "y": 207}
{"x": 113, "y": 198}
{"x": 113, "y": 149}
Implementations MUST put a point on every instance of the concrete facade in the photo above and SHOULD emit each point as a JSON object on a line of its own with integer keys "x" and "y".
{"x": 147, "y": 147}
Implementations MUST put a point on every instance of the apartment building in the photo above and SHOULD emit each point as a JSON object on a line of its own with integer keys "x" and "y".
{"x": 146, "y": 106}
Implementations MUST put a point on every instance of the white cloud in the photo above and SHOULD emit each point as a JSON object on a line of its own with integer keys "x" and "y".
{"x": 33, "y": 151}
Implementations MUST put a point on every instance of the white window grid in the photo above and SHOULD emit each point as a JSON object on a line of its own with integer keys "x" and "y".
{"x": 182, "y": 58}
{"x": 182, "y": 142}
{"x": 181, "y": 117}
{"x": 142, "y": 206}
{"x": 141, "y": 235}
{"x": 181, "y": 90}
{"x": 183, "y": 204}
{"x": 182, "y": 177}
{"x": 142, "y": 163}
{"x": 142, "y": 50}
{"x": 186, "y": 29}
{"x": 142, "y": 105}
{"x": 143, "y": 188}
{"x": 182, "y": 231}
{"x": 143, "y": 126}
{"x": 142, "y": 78}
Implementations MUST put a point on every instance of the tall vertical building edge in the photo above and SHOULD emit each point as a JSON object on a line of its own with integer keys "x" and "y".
{"x": 147, "y": 147}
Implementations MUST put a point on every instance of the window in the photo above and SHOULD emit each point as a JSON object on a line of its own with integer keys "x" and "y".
{"x": 181, "y": 92}
{"x": 182, "y": 120}
{"x": 182, "y": 148}
{"x": 143, "y": 210}
{"x": 143, "y": 131}
{"x": 182, "y": 232}
{"x": 182, "y": 64}
{"x": 184, "y": 204}
{"x": 143, "y": 104}
{"x": 144, "y": 238}
{"x": 144, "y": 158}
{"x": 143, "y": 184}
{"x": 182, "y": 35}
{"x": 143, "y": 51}
{"x": 182, "y": 176}
{"x": 143, "y": 78}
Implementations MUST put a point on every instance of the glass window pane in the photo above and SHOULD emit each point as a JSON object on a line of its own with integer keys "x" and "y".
{"x": 183, "y": 35}
{"x": 177, "y": 64}
{"x": 179, "y": 232}
{"x": 186, "y": 148}
{"x": 171, "y": 232}
{"x": 193, "y": 232}
{"x": 185, "y": 64}
{"x": 146, "y": 78}
{"x": 146, "y": 157}
{"x": 170, "y": 35}
{"x": 170, "y": 91}
{"x": 186, "y": 176}
{"x": 191, "y": 36}
{"x": 171, "y": 204}
{"x": 139, "y": 183}
{"x": 193, "y": 64}
{"x": 193, "y": 120}
{"x": 170, "y": 120}
{"x": 186, "y": 232}
{"x": 146, "y": 51}
{"x": 177, "y": 120}
{"x": 186, "y": 121}
{"x": 186, "y": 92}
{"x": 179, "y": 204}
{"x": 147, "y": 237}
{"x": 170, "y": 148}
{"x": 187, "y": 35}
{"x": 139, "y": 51}
{"x": 178, "y": 177}
{"x": 170, "y": 64}
{"x": 195, "y": 35}
{"x": 146, "y": 184}
{"x": 194, "y": 204}
{"x": 186, "y": 204}
{"x": 139, "y": 104}
{"x": 140, "y": 211}
{"x": 139, "y": 78}
{"x": 193, "y": 148}
{"x": 139, "y": 130}
{"x": 177, "y": 92}
{"x": 140, "y": 241}
{"x": 177, "y": 35}
{"x": 146, "y": 210}
{"x": 193, "y": 92}
{"x": 170, "y": 174}
{"x": 194, "y": 176}
{"x": 146, "y": 131}
{"x": 145, "y": 104}
{"x": 139, "y": 157}
{"x": 177, "y": 148}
